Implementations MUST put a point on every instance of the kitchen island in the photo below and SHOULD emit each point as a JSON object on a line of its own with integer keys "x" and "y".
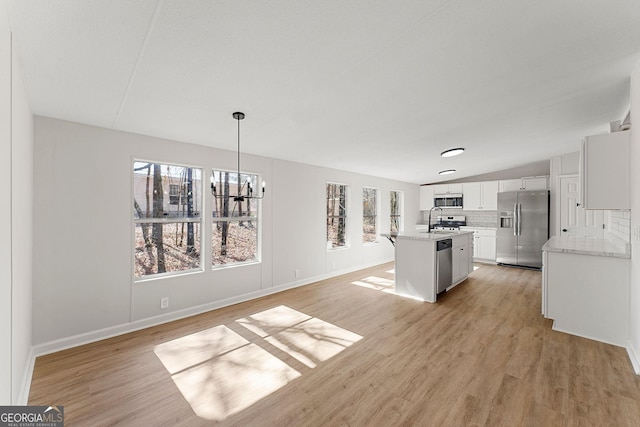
{"x": 416, "y": 259}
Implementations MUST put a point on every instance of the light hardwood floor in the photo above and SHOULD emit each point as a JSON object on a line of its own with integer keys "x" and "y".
{"x": 345, "y": 351}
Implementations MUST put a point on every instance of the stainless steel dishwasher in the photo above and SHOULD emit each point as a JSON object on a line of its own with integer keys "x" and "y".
{"x": 443, "y": 264}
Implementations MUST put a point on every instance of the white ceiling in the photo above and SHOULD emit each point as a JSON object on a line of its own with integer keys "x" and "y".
{"x": 375, "y": 87}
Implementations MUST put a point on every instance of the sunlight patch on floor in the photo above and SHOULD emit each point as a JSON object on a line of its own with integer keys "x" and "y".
{"x": 308, "y": 339}
{"x": 221, "y": 372}
{"x": 234, "y": 381}
{"x": 186, "y": 352}
{"x": 377, "y": 283}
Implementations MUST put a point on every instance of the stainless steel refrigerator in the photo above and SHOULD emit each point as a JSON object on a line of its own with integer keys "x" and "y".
{"x": 523, "y": 227}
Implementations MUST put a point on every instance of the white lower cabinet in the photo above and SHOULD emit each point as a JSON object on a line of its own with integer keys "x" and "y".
{"x": 484, "y": 244}
{"x": 587, "y": 295}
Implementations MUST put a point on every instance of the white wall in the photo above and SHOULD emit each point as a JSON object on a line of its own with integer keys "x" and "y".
{"x": 634, "y": 327}
{"x": 22, "y": 235}
{"x": 5, "y": 208}
{"x": 83, "y": 288}
{"x": 16, "y": 217}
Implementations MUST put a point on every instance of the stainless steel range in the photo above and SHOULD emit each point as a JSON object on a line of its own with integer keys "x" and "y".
{"x": 450, "y": 223}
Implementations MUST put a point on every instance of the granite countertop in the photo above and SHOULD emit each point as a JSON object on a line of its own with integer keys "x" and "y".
{"x": 417, "y": 235}
{"x": 588, "y": 246}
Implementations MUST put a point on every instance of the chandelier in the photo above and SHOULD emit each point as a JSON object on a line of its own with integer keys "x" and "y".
{"x": 239, "y": 197}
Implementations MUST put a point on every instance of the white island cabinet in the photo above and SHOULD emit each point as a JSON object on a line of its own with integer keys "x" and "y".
{"x": 585, "y": 288}
{"x": 462, "y": 257}
{"x": 415, "y": 267}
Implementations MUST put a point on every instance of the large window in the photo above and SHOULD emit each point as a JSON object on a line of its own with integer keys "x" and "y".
{"x": 396, "y": 211}
{"x": 336, "y": 215}
{"x": 166, "y": 210}
{"x": 235, "y": 218}
{"x": 369, "y": 215}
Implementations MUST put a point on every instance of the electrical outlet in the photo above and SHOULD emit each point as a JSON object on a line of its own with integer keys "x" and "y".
{"x": 297, "y": 273}
{"x": 164, "y": 302}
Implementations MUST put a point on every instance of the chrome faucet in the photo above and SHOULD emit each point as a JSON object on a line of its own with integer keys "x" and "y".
{"x": 435, "y": 207}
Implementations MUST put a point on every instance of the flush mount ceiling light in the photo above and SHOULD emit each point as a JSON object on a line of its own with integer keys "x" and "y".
{"x": 249, "y": 190}
{"x": 447, "y": 172}
{"x": 452, "y": 152}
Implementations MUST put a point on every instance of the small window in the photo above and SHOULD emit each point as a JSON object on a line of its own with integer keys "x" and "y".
{"x": 396, "y": 211}
{"x": 369, "y": 215}
{"x": 167, "y": 234}
{"x": 177, "y": 194}
{"x": 336, "y": 215}
{"x": 234, "y": 237}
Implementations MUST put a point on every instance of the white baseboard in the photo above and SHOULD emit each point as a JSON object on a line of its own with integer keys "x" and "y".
{"x": 93, "y": 336}
{"x": 633, "y": 356}
{"x": 564, "y": 331}
{"x": 25, "y": 385}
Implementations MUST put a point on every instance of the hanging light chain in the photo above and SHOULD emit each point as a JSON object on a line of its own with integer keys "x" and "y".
{"x": 239, "y": 197}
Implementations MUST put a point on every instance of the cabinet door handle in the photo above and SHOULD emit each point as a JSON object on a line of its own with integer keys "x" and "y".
{"x": 564, "y": 230}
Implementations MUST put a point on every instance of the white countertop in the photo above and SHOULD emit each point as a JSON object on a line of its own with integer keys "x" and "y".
{"x": 473, "y": 227}
{"x": 588, "y": 246}
{"x": 417, "y": 235}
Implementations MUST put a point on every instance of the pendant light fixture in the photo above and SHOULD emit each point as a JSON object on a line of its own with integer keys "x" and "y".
{"x": 452, "y": 152}
{"x": 447, "y": 172}
{"x": 249, "y": 191}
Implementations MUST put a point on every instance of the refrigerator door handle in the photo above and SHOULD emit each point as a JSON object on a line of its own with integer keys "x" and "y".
{"x": 515, "y": 219}
{"x": 519, "y": 222}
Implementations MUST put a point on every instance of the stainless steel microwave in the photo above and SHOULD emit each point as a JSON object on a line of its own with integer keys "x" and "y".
{"x": 448, "y": 201}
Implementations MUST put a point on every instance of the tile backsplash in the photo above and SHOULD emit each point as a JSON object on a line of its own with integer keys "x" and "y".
{"x": 619, "y": 225}
{"x": 474, "y": 218}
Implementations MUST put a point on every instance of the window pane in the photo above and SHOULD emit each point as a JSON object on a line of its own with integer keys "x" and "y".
{"x": 336, "y": 231}
{"x": 234, "y": 242}
{"x": 162, "y": 193}
{"x": 395, "y": 211}
{"x": 234, "y": 239}
{"x": 178, "y": 247}
{"x": 369, "y": 229}
{"x": 226, "y": 184}
{"x": 369, "y": 208}
{"x": 336, "y": 215}
{"x": 166, "y": 191}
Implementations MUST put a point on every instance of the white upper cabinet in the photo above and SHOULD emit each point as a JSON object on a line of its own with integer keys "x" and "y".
{"x": 604, "y": 171}
{"x": 480, "y": 196}
{"x": 447, "y": 189}
{"x": 526, "y": 183}
{"x": 472, "y": 196}
{"x": 535, "y": 183}
{"x": 490, "y": 195}
{"x": 426, "y": 197}
{"x": 510, "y": 185}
